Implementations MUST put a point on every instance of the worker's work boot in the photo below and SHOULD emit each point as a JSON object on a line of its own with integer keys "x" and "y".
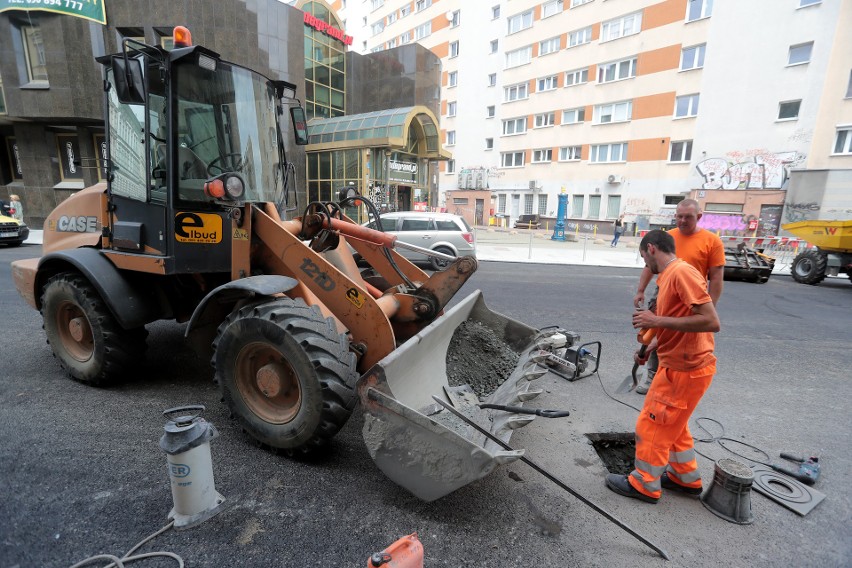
{"x": 621, "y": 485}
{"x": 646, "y": 382}
{"x": 670, "y": 485}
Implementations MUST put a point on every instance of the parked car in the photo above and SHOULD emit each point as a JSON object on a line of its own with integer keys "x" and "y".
{"x": 12, "y": 231}
{"x": 441, "y": 232}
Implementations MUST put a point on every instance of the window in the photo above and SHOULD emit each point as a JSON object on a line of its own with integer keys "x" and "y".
{"x": 542, "y": 156}
{"x": 843, "y": 141}
{"x": 789, "y": 110}
{"x": 697, "y": 9}
{"x": 528, "y": 203}
{"x": 849, "y": 87}
{"x": 512, "y": 159}
{"x": 421, "y": 5}
{"x": 548, "y": 46}
{"x": 672, "y": 199}
{"x": 621, "y": 27}
{"x": 686, "y": 105}
{"x": 378, "y": 27}
{"x": 454, "y": 78}
{"x": 613, "y": 206}
{"x": 378, "y": 4}
{"x": 516, "y": 92}
{"x": 455, "y": 19}
{"x": 601, "y": 153}
{"x": 681, "y": 151}
{"x": 393, "y": 42}
{"x": 574, "y": 115}
{"x": 803, "y": 3}
{"x": 451, "y": 166}
{"x": 423, "y": 30}
{"x": 579, "y": 37}
{"x": 577, "y": 206}
{"x": 724, "y": 207}
{"x": 518, "y": 57}
{"x": 576, "y": 77}
{"x": 417, "y": 225}
{"x": 405, "y": 37}
{"x": 490, "y": 111}
{"x": 494, "y": 46}
{"x": 2, "y": 98}
{"x": 570, "y": 153}
{"x": 542, "y": 204}
{"x": 495, "y": 12}
{"x": 34, "y": 54}
{"x": 613, "y": 112}
{"x": 376, "y": 49}
{"x": 594, "y": 207}
{"x": 575, "y": 3}
{"x": 454, "y": 49}
{"x": 489, "y": 143}
{"x": 392, "y": 17}
{"x": 404, "y": 10}
{"x": 520, "y": 21}
{"x": 451, "y": 137}
{"x": 501, "y": 203}
{"x": 692, "y": 57}
{"x": 451, "y": 108}
{"x": 551, "y": 8}
{"x": 548, "y": 83}
{"x": 492, "y": 79}
{"x": 800, "y": 53}
{"x": 514, "y": 126}
{"x": 617, "y": 70}
{"x": 544, "y": 119}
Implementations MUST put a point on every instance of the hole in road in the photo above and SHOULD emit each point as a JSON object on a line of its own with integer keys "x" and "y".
{"x": 616, "y": 450}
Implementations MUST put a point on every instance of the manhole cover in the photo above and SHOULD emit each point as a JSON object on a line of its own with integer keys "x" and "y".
{"x": 616, "y": 450}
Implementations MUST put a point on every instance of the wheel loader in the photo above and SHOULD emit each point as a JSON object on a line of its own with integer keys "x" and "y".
{"x": 192, "y": 226}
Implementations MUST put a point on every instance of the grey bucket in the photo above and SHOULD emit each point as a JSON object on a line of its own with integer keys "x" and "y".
{"x": 729, "y": 496}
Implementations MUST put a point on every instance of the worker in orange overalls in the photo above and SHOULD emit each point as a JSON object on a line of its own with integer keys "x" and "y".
{"x": 684, "y": 323}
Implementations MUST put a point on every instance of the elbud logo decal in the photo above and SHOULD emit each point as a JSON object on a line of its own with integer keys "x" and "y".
{"x": 198, "y": 228}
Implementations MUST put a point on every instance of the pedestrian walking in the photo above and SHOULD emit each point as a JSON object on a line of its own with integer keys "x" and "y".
{"x": 700, "y": 248}
{"x": 17, "y": 208}
{"x": 684, "y": 324}
{"x": 618, "y": 229}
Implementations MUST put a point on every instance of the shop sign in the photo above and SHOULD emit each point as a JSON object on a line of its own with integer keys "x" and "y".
{"x": 87, "y": 9}
{"x": 403, "y": 171}
{"x": 325, "y": 28}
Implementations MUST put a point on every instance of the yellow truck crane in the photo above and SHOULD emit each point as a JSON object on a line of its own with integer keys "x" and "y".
{"x": 832, "y": 254}
{"x": 189, "y": 228}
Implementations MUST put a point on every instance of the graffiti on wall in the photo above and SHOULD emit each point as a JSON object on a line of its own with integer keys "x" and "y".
{"x": 754, "y": 169}
{"x": 726, "y": 224}
{"x": 800, "y": 211}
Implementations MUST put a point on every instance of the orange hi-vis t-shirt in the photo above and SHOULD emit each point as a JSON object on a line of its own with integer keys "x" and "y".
{"x": 681, "y": 287}
{"x": 702, "y": 249}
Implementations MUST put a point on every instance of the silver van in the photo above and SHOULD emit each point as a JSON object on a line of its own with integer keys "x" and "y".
{"x": 442, "y": 232}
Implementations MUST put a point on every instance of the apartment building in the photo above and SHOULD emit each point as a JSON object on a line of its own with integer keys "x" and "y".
{"x": 628, "y": 107}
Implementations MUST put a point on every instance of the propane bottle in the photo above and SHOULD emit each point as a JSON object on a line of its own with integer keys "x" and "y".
{"x": 407, "y": 552}
{"x": 187, "y": 446}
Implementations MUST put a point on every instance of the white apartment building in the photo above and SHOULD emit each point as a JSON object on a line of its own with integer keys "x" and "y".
{"x": 628, "y": 107}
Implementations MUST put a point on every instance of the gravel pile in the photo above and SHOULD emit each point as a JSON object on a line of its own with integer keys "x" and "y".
{"x": 477, "y": 357}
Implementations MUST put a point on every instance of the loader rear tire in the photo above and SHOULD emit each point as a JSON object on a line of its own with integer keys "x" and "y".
{"x": 809, "y": 267}
{"x": 86, "y": 338}
{"x": 286, "y": 374}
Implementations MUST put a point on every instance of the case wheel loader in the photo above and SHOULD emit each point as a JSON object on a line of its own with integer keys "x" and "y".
{"x": 188, "y": 227}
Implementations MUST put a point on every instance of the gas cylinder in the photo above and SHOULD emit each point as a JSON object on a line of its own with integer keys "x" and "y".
{"x": 407, "y": 552}
{"x": 186, "y": 443}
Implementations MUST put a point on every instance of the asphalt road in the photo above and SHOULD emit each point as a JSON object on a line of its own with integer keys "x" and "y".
{"x": 81, "y": 472}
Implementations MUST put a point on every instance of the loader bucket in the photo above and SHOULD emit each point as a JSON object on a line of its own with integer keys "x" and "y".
{"x": 424, "y": 448}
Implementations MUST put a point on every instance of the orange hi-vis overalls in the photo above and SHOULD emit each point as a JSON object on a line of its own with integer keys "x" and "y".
{"x": 687, "y": 365}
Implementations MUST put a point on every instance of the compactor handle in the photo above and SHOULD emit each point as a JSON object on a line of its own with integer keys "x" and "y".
{"x": 188, "y": 413}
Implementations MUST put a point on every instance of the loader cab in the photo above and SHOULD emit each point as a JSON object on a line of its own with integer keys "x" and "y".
{"x": 193, "y": 142}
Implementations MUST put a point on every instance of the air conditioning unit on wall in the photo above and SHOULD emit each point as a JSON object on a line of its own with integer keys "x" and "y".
{"x": 533, "y": 184}
{"x": 614, "y": 179}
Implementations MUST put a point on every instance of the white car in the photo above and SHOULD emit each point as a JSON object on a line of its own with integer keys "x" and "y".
{"x": 441, "y": 232}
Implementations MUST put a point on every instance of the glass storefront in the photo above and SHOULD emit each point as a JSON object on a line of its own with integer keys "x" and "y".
{"x": 325, "y": 66}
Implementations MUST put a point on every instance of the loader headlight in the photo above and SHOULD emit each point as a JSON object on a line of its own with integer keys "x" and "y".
{"x": 234, "y": 187}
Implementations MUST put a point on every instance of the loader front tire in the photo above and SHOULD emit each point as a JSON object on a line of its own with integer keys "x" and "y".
{"x": 286, "y": 374}
{"x": 809, "y": 267}
{"x": 86, "y": 338}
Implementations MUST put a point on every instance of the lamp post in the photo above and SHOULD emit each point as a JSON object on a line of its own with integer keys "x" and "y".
{"x": 561, "y": 211}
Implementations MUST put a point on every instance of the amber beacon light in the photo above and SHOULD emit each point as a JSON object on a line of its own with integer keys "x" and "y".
{"x": 182, "y": 37}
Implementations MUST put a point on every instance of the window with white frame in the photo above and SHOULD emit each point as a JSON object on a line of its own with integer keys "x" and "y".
{"x": 378, "y": 27}
{"x": 453, "y": 78}
{"x": 547, "y": 83}
{"x": 697, "y": 9}
{"x": 542, "y": 204}
{"x": 789, "y": 110}
{"x": 686, "y": 105}
{"x": 490, "y": 111}
{"x": 501, "y": 203}
{"x": 574, "y": 115}
{"x": 843, "y": 140}
{"x": 512, "y": 159}
{"x": 405, "y": 37}
{"x": 492, "y": 79}
{"x": 451, "y": 137}
{"x": 680, "y": 151}
{"x": 489, "y": 143}
{"x": 454, "y": 49}
{"x": 548, "y": 46}
{"x": 393, "y": 42}
{"x": 575, "y": 3}
{"x": 514, "y": 126}
{"x": 613, "y": 112}
{"x": 392, "y": 17}
{"x": 378, "y": 4}
{"x": 692, "y": 57}
{"x": 518, "y": 57}
{"x": 421, "y": 4}
{"x": 570, "y": 153}
{"x": 804, "y": 3}
{"x": 455, "y": 18}
{"x": 377, "y": 49}
{"x": 849, "y": 87}
{"x": 617, "y": 70}
{"x": 516, "y": 92}
{"x": 451, "y": 166}
{"x": 551, "y": 8}
{"x": 594, "y": 207}
{"x": 620, "y": 27}
{"x": 520, "y": 21}
{"x": 423, "y": 30}
{"x": 404, "y": 10}
{"x": 602, "y": 153}
{"x": 577, "y": 206}
{"x": 545, "y": 119}
{"x": 495, "y": 12}
{"x": 451, "y": 108}
{"x": 576, "y": 77}
{"x": 528, "y": 203}
{"x": 494, "y": 46}
{"x": 545, "y": 155}
{"x": 800, "y": 53}
{"x": 579, "y": 37}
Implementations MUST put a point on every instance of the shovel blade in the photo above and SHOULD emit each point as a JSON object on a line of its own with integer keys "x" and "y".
{"x": 631, "y": 382}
